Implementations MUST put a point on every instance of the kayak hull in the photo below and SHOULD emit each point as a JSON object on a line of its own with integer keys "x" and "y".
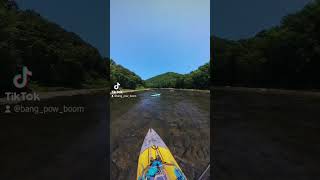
{"x": 153, "y": 147}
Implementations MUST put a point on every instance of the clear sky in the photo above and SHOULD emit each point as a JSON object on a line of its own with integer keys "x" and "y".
{"x": 236, "y": 19}
{"x": 151, "y": 37}
{"x": 87, "y": 18}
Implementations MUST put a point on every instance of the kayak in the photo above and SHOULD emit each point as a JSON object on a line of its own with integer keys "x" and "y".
{"x": 155, "y": 95}
{"x": 156, "y": 161}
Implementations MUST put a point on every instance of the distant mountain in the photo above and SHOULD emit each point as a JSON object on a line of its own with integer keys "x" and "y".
{"x": 122, "y": 75}
{"x": 198, "y": 79}
{"x": 165, "y": 80}
{"x": 56, "y": 57}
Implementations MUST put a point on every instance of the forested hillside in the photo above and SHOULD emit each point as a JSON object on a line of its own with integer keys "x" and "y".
{"x": 166, "y": 80}
{"x": 55, "y": 56}
{"x": 286, "y": 56}
{"x": 127, "y": 78}
{"x": 198, "y": 79}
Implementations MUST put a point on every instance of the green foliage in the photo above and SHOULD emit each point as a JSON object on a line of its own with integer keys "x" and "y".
{"x": 167, "y": 80}
{"x": 127, "y": 78}
{"x": 198, "y": 79}
{"x": 56, "y": 57}
{"x": 286, "y": 56}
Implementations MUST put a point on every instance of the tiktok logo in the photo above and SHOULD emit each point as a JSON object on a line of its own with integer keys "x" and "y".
{"x": 116, "y": 92}
{"x": 117, "y": 86}
{"x": 21, "y": 80}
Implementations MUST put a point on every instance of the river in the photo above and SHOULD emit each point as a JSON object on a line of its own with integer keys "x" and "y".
{"x": 257, "y": 135}
{"x": 68, "y": 146}
{"x": 51, "y": 146}
{"x": 266, "y": 135}
{"x": 181, "y": 118}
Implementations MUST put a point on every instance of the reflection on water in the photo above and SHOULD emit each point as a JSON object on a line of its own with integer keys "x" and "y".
{"x": 56, "y": 146}
{"x": 181, "y": 118}
{"x": 74, "y": 145}
{"x": 261, "y": 135}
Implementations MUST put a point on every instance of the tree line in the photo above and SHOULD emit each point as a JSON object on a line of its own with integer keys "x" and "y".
{"x": 285, "y": 56}
{"x": 61, "y": 58}
{"x": 55, "y": 56}
{"x": 126, "y": 78}
{"x": 198, "y": 79}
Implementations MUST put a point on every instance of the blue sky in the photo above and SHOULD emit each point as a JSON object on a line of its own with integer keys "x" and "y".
{"x": 151, "y": 37}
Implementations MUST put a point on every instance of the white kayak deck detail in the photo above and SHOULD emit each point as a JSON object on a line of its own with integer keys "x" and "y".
{"x": 152, "y": 139}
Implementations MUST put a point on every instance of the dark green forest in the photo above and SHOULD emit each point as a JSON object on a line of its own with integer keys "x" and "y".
{"x": 166, "y": 80}
{"x": 286, "y": 56}
{"x": 59, "y": 58}
{"x": 127, "y": 78}
{"x": 55, "y": 56}
{"x": 198, "y": 79}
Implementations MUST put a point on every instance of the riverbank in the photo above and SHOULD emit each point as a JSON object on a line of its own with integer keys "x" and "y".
{"x": 191, "y": 90}
{"x": 65, "y": 93}
{"x": 45, "y": 95}
{"x": 125, "y": 91}
{"x": 268, "y": 90}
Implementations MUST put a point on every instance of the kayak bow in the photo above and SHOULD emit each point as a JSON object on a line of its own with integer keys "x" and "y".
{"x": 156, "y": 161}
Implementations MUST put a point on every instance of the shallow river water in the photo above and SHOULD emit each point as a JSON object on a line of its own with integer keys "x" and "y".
{"x": 181, "y": 118}
{"x": 67, "y": 146}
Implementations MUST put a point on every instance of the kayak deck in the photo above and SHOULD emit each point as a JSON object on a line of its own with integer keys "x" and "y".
{"x": 156, "y": 161}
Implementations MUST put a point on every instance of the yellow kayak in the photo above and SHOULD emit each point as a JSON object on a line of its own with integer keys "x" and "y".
{"x": 156, "y": 161}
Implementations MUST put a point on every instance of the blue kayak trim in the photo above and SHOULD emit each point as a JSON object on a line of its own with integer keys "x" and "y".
{"x": 155, "y": 95}
{"x": 179, "y": 174}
